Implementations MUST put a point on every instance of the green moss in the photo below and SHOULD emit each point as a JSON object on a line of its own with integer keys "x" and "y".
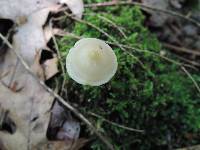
{"x": 156, "y": 96}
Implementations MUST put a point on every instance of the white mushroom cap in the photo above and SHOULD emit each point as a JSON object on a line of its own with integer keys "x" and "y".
{"x": 91, "y": 62}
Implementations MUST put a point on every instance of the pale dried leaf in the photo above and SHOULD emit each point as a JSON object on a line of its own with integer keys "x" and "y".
{"x": 49, "y": 32}
{"x": 28, "y": 40}
{"x": 76, "y": 6}
{"x": 14, "y": 9}
{"x": 37, "y": 68}
{"x": 28, "y": 103}
{"x": 17, "y": 9}
{"x": 29, "y": 110}
{"x": 39, "y": 17}
{"x": 50, "y": 67}
{"x": 13, "y": 141}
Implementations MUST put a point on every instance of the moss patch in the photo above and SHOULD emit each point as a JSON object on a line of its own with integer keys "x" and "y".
{"x": 147, "y": 93}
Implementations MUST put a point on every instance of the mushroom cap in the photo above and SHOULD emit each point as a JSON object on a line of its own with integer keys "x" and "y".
{"x": 91, "y": 62}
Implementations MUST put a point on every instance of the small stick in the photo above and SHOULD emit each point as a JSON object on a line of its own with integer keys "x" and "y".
{"x": 109, "y": 21}
{"x": 182, "y": 49}
{"x": 193, "y": 63}
{"x": 190, "y": 76}
{"x": 59, "y": 58}
{"x": 116, "y": 124}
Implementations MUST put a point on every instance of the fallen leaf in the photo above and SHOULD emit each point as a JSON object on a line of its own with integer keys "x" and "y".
{"x": 29, "y": 108}
{"x": 14, "y": 9}
{"x": 76, "y": 6}
{"x": 18, "y": 9}
{"x": 50, "y": 67}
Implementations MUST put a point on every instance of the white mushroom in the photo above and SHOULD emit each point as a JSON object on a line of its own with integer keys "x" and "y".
{"x": 91, "y": 62}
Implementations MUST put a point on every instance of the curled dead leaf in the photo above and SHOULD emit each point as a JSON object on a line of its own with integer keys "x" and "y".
{"x": 50, "y": 67}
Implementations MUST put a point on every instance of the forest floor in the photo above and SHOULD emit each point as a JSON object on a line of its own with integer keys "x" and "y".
{"x": 153, "y": 100}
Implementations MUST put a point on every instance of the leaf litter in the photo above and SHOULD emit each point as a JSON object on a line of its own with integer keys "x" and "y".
{"x": 27, "y": 104}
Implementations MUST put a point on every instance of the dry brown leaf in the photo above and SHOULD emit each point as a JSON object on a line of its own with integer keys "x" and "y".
{"x": 14, "y": 9}
{"x": 29, "y": 107}
{"x": 76, "y": 6}
{"x": 50, "y": 67}
{"x": 17, "y": 9}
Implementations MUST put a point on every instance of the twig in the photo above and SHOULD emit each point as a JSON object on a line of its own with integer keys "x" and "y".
{"x": 114, "y": 25}
{"x": 93, "y": 26}
{"x": 109, "y": 21}
{"x": 193, "y": 80}
{"x": 193, "y": 63}
{"x": 115, "y": 124}
{"x": 59, "y": 98}
{"x": 4, "y": 74}
{"x": 181, "y": 49}
{"x": 144, "y": 7}
{"x": 59, "y": 58}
